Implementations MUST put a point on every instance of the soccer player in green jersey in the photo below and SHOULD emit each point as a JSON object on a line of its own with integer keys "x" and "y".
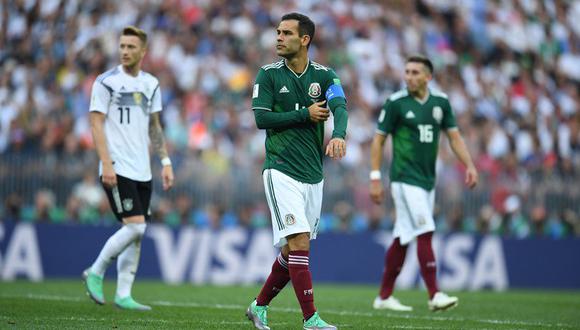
{"x": 414, "y": 117}
{"x": 288, "y": 100}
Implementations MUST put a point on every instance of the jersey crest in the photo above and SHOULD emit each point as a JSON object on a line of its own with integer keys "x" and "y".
{"x": 314, "y": 91}
{"x": 290, "y": 219}
{"x": 137, "y": 97}
{"x": 128, "y": 204}
{"x": 438, "y": 114}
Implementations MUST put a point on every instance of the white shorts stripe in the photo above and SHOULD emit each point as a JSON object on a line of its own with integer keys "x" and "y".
{"x": 117, "y": 199}
{"x": 274, "y": 202}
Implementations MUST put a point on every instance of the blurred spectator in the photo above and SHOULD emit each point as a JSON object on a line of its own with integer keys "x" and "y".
{"x": 44, "y": 208}
{"x": 539, "y": 219}
{"x": 488, "y": 221}
{"x": 12, "y": 207}
{"x": 86, "y": 199}
{"x": 514, "y": 222}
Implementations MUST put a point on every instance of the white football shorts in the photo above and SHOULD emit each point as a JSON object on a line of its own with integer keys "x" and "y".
{"x": 414, "y": 211}
{"x": 294, "y": 206}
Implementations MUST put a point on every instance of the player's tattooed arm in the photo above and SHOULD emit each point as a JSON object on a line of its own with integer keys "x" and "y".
{"x": 156, "y": 136}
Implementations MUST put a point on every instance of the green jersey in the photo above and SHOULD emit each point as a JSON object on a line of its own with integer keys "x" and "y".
{"x": 415, "y": 128}
{"x": 295, "y": 147}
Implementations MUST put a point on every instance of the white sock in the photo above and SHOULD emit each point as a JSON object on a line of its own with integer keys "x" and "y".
{"x": 127, "y": 264}
{"x": 116, "y": 244}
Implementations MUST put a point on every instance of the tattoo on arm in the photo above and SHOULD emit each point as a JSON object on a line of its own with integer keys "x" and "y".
{"x": 156, "y": 136}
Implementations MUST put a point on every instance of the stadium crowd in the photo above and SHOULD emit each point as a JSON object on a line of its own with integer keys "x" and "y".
{"x": 511, "y": 69}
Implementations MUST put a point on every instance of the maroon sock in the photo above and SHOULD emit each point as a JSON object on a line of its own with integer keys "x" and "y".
{"x": 275, "y": 282}
{"x": 302, "y": 281}
{"x": 394, "y": 259}
{"x": 427, "y": 262}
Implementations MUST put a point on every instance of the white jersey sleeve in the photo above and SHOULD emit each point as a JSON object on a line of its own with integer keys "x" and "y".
{"x": 100, "y": 97}
{"x": 156, "y": 102}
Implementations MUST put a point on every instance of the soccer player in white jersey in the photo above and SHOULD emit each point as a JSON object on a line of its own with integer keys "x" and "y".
{"x": 124, "y": 116}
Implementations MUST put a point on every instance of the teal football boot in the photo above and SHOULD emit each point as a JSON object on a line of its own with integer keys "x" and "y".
{"x": 94, "y": 286}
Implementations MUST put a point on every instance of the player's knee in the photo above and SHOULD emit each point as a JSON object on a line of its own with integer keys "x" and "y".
{"x": 138, "y": 229}
{"x": 299, "y": 242}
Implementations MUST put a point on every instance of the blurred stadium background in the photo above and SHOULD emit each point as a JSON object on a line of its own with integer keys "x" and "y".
{"x": 511, "y": 69}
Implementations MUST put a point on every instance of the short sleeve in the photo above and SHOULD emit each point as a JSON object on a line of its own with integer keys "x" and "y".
{"x": 448, "y": 116}
{"x": 388, "y": 118}
{"x": 100, "y": 97}
{"x": 262, "y": 95}
{"x": 156, "y": 102}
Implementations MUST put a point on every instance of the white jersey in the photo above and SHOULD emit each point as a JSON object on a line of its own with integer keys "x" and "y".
{"x": 127, "y": 102}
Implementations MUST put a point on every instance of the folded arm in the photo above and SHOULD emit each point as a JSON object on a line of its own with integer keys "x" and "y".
{"x": 268, "y": 119}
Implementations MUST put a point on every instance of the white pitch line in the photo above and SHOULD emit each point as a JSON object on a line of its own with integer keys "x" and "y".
{"x": 326, "y": 311}
{"x": 147, "y": 321}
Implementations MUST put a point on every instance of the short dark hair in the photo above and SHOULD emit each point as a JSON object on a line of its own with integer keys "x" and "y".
{"x": 135, "y": 31}
{"x": 305, "y": 25}
{"x": 421, "y": 59}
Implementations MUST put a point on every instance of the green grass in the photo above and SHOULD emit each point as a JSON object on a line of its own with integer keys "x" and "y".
{"x": 63, "y": 304}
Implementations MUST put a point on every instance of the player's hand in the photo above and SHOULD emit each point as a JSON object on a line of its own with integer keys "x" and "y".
{"x": 336, "y": 148}
{"x": 109, "y": 177}
{"x": 471, "y": 177}
{"x": 377, "y": 191}
{"x": 167, "y": 176}
{"x": 317, "y": 113}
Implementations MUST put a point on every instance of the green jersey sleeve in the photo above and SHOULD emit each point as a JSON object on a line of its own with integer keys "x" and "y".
{"x": 388, "y": 118}
{"x": 337, "y": 103}
{"x": 262, "y": 94}
{"x": 448, "y": 116}
{"x": 269, "y": 119}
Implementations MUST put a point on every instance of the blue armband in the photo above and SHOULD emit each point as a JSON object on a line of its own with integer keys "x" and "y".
{"x": 334, "y": 91}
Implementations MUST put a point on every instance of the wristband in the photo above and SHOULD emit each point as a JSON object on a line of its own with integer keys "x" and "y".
{"x": 165, "y": 161}
{"x": 375, "y": 175}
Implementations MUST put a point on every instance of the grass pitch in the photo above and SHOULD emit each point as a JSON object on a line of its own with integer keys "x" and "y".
{"x": 63, "y": 304}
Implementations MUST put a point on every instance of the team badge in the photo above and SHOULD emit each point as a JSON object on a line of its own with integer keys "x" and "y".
{"x": 422, "y": 221}
{"x": 290, "y": 219}
{"x": 127, "y": 204}
{"x": 137, "y": 98}
{"x": 437, "y": 114}
{"x": 314, "y": 91}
